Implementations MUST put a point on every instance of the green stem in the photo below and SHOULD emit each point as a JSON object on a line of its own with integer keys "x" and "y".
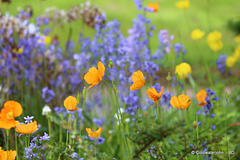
{"x": 16, "y": 144}
{"x": 197, "y": 135}
{"x": 226, "y": 123}
{"x": 8, "y": 132}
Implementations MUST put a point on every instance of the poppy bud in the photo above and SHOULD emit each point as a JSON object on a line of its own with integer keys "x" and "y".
{"x": 84, "y": 92}
{"x": 169, "y": 77}
{"x": 226, "y": 96}
{"x": 195, "y": 124}
{"x": 111, "y": 65}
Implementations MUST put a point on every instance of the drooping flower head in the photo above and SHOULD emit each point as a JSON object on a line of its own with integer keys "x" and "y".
{"x": 201, "y": 97}
{"x": 10, "y": 155}
{"x": 138, "y": 80}
{"x": 94, "y": 134}
{"x": 70, "y": 103}
{"x": 154, "y": 95}
{"x": 183, "y": 4}
{"x": 180, "y": 102}
{"x": 10, "y": 110}
{"x": 197, "y": 34}
{"x": 26, "y": 128}
{"x": 153, "y": 7}
{"x": 94, "y": 76}
{"x": 183, "y": 69}
{"x": 214, "y": 40}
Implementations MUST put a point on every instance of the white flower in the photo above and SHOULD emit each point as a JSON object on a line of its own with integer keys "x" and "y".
{"x": 46, "y": 109}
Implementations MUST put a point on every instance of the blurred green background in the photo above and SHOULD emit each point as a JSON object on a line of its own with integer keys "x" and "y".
{"x": 207, "y": 15}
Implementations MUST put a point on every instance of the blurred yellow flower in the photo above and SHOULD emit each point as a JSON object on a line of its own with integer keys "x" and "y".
{"x": 236, "y": 53}
{"x": 26, "y": 128}
{"x": 10, "y": 155}
{"x": 214, "y": 40}
{"x": 183, "y": 4}
{"x": 197, "y": 34}
{"x": 70, "y": 103}
{"x": 231, "y": 61}
{"x": 47, "y": 39}
{"x": 237, "y": 39}
{"x": 183, "y": 69}
{"x": 94, "y": 134}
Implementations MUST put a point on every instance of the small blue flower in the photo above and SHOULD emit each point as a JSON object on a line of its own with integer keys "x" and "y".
{"x": 100, "y": 140}
{"x": 28, "y": 119}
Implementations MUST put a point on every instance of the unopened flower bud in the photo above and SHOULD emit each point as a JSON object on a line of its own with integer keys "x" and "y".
{"x": 169, "y": 77}
{"x": 111, "y": 65}
{"x": 195, "y": 124}
{"x": 84, "y": 92}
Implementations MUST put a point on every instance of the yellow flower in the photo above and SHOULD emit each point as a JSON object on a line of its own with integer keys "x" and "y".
{"x": 183, "y": 69}
{"x": 183, "y": 4}
{"x": 70, "y": 103}
{"x": 10, "y": 155}
{"x": 230, "y": 61}
{"x": 26, "y": 128}
{"x": 236, "y": 53}
{"x": 47, "y": 39}
{"x": 214, "y": 40}
{"x": 237, "y": 39}
{"x": 94, "y": 134}
{"x": 197, "y": 34}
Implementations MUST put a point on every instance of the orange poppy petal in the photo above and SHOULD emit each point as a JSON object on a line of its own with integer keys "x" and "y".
{"x": 10, "y": 155}
{"x": 91, "y": 76}
{"x": 15, "y": 106}
{"x": 201, "y": 96}
{"x": 5, "y": 124}
{"x": 26, "y": 128}
{"x": 70, "y": 103}
{"x": 152, "y": 93}
{"x": 175, "y": 102}
{"x": 138, "y": 80}
{"x": 101, "y": 69}
{"x": 184, "y": 101}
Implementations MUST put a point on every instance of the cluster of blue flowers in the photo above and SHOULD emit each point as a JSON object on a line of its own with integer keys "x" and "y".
{"x": 221, "y": 63}
{"x": 36, "y": 149}
{"x": 210, "y": 99}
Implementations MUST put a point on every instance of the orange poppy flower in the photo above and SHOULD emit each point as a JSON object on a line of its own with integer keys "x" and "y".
{"x": 94, "y": 76}
{"x": 154, "y": 7}
{"x": 138, "y": 80}
{"x": 94, "y": 134}
{"x": 10, "y": 110}
{"x": 180, "y": 102}
{"x": 153, "y": 94}
{"x": 201, "y": 96}
{"x": 70, "y": 103}
{"x": 10, "y": 155}
{"x": 26, "y": 128}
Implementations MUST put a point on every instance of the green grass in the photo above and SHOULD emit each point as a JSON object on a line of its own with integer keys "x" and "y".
{"x": 207, "y": 15}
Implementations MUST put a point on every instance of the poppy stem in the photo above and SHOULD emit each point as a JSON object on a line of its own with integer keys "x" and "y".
{"x": 16, "y": 143}
{"x": 8, "y": 131}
